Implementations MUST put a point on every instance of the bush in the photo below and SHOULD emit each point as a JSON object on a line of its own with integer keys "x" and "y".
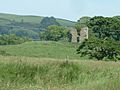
{"x": 100, "y": 49}
{"x": 54, "y": 33}
{"x": 11, "y": 40}
{"x": 4, "y": 53}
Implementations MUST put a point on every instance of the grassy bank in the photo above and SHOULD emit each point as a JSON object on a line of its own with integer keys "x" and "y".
{"x": 44, "y": 49}
{"x": 26, "y": 73}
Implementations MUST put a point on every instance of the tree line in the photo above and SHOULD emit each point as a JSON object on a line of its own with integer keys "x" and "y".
{"x": 104, "y": 38}
{"x": 27, "y": 29}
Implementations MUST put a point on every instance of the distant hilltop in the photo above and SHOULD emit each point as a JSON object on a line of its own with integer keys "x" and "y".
{"x": 33, "y": 19}
{"x": 28, "y": 25}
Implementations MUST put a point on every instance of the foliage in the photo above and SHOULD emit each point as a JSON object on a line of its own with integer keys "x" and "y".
{"x": 82, "y": 22}
{"x": 11, "y": 40}
{"x": 4, "y": 53}
{"x": 100, "y": 49}
{"x": 106, "y": 27}
{"x": 29, "y": 26}
{"x": 54, "y": 33}
{"x": 47, "y": 21}
{"x": 4, "y": 30}
{"x": 25, "y": 33}
{"x": 104, "y": 37}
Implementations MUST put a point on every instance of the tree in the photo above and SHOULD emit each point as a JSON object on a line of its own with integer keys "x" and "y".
{"x": 54, "y": 33}
{"x": 100, "y": 49}
{"x": 4, "y": 30}
{"x": 47, "y": 21}
{"x": 105, "y": 27}
{"x": 11, "y": 39}
{"x": 82, "y": 22}
{"x": 25, "y": 33}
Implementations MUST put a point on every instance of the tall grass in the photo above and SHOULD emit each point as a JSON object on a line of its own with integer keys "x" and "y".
{"x": 18, "y": 74}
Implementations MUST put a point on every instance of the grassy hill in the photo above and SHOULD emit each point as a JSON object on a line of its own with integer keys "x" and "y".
{"x": 44, "y": 49}
{"x": 32, "y": 19}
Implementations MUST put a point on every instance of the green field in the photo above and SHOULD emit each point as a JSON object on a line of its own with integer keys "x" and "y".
{"x": 44, "y": 49}
{"x": 27, "y": 73}
{"x": 47, "y": 65}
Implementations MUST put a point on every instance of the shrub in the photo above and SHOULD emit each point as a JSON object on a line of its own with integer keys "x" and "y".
{"x": 11, "y": 40}
{"x": 100, "y": 49}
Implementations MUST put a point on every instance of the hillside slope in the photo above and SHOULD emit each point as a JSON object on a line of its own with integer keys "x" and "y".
{"x": 32, "y": 19}
{"x": 44, "y": 49}
{"x": 27, "y": 26}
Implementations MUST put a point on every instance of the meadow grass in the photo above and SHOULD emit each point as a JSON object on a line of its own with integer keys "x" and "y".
{"x": 44, "y": 49}
{"x": 54, "y": 66}
{"x": 28, "y": 73}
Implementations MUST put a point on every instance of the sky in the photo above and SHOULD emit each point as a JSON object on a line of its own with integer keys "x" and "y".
{"x": 67, "y": 9}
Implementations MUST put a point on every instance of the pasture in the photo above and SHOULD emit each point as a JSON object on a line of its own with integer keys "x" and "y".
{"x": 28, "y": 73}
{"x": 54, "y": 66}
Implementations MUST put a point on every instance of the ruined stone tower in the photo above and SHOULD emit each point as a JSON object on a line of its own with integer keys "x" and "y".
{"x": 83, "y": 34}
{"x": 74, "y": 35}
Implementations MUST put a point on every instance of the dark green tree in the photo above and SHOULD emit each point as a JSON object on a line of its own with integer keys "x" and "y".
{"x": 100, "y": 49}
{"x": 54, "y": 33}
{"x": 11, "y": 39}
{"x": 47, "y": 21}
{"x": 105, "y": 27}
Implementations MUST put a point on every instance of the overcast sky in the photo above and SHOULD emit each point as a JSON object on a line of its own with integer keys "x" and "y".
{"x": 67, "y": 9}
